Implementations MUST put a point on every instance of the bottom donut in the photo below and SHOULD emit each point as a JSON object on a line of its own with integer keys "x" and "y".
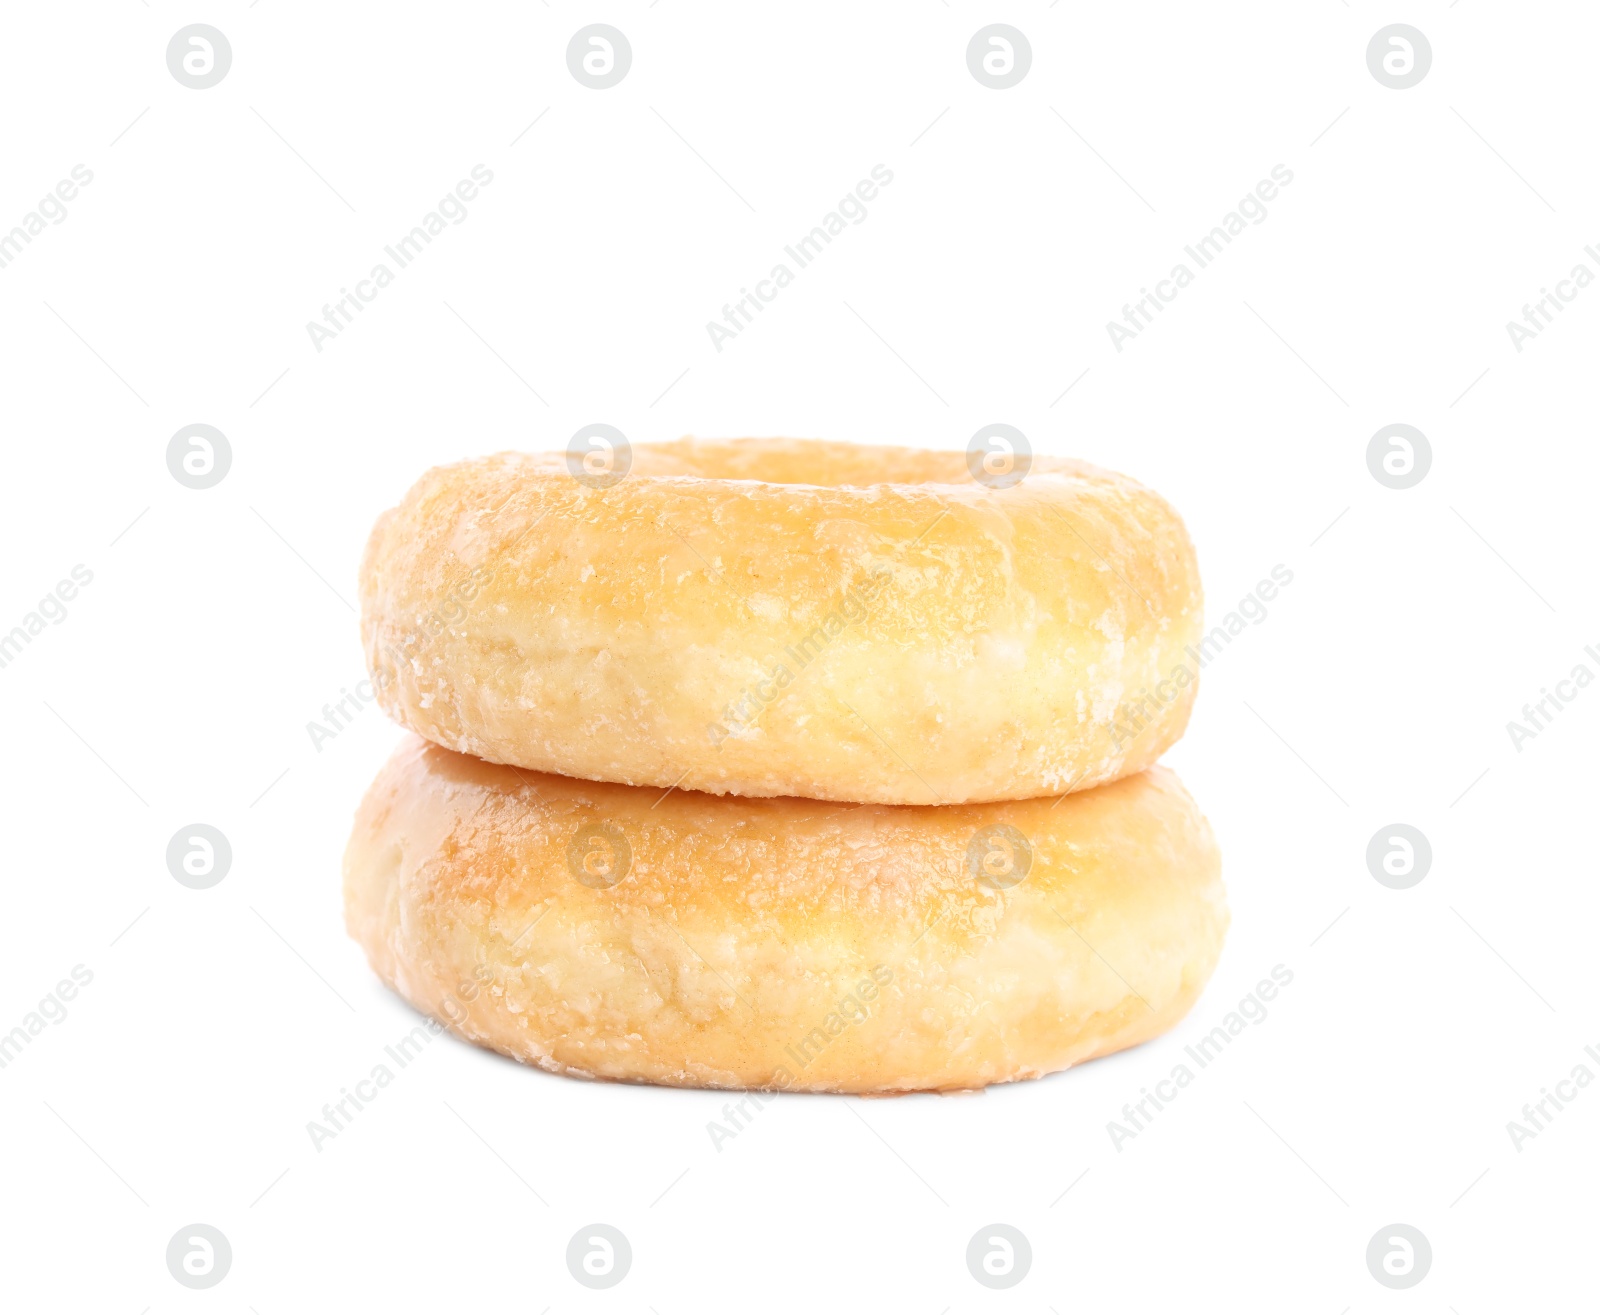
{"x": 609, "y": 931}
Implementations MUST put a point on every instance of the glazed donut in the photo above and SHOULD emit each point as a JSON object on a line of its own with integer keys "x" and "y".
{"x": 788, "y": 617}
{"x": 612, "y": 932}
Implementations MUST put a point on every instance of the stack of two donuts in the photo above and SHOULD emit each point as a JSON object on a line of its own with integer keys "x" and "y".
{"x": 785, "y": 765}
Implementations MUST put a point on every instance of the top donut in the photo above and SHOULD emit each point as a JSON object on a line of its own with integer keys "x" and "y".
{"x": 788, "y": 617}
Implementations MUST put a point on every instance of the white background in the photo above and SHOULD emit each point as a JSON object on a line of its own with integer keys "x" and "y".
{"x": 219, "y": 622}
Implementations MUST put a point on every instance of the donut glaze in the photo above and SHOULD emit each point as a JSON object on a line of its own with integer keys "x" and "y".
{"x": 607, "y": 931}
{"x": 768, "y": 617}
